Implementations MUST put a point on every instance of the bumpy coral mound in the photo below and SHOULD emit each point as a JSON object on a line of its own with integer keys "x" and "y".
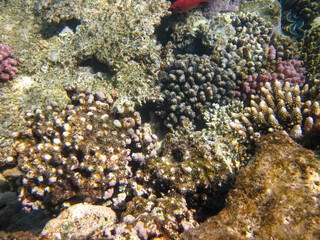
{"x": 191, "y": 84}
{"x": 8, "y": 65}
{"x": 276, "y": 196}
{"x": 86, "y": 150}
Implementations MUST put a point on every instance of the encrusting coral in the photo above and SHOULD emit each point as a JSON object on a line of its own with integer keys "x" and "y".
{"x": 276, "y": 196}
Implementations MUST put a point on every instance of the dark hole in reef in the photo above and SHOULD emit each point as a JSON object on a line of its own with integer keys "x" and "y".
{"x": 73, "y": 23}
{"x": 80, "y": 155}
{"x": 3, "y": 206}
{"x": 161, "y": 186}
{"x": 311, "y": 141}
{"x": 49, "y": 30}
{"x": 208, "y": 202}
{"x": 84, "y": 173}
{"x": 37, "y": 135}
{"x": 177, "y": 154}
{"x": 95, "y": 65}
{"x": 147, "y": 113}
{"x": 164, "y": 30}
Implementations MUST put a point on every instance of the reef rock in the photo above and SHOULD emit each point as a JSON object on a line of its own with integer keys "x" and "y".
{"x": 276, "y": 196}
{"x": 79, "y": 221}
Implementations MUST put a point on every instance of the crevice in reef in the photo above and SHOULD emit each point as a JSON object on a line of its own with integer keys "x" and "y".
{"x": 48, "y": 30}
{"x": 96, "y": 65}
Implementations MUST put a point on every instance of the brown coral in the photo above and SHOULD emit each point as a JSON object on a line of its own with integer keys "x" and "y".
{"x": 86, "y": 150}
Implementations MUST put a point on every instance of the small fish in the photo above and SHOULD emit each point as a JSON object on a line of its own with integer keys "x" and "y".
{"x": 181, "y": 6}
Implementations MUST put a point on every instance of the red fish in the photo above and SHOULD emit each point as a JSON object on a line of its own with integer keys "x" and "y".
{"x": 181, "y": 6}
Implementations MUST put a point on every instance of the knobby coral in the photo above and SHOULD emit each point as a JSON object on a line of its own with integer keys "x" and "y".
{"x": 8, "y": 65}
{"x": 284, "y": 107}
{"x": 81, "y": 151}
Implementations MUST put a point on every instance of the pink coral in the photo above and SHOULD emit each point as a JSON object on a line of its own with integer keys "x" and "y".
{"x": 8, "y": 65}
{"x": 286, "y": 71}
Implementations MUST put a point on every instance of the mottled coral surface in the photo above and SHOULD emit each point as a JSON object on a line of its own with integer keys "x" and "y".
{"x": 276, "y": 196}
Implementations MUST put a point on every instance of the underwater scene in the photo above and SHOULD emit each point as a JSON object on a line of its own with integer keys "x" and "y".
{"x": 145, "y": 119}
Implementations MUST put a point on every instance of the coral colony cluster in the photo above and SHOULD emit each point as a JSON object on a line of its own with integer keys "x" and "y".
{"x": 8, "y": 65}
{"x": 83, "y": 151}
{"x": 222, "y": 82}
{"x": 190, "y": 85}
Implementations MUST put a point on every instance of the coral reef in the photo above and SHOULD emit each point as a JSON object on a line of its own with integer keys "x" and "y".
{"x": 237, "y": 48}
{"x": 154, "y": 217}
{"x": 83, "y": 151}
{"x": 47, "y": 36}
{"x": 8, "y": 65}
{"x": 285, "y": 107}
{"x": 190, "y": 84}
{"x": 276, "y": 196}
{"x": 286, "y": 71}
{"x": 96, "y": 149}
{"x": 144, "y": 218}
{"x": 119, "y": 36}
{"x": 269, "y": 10}
{"x": 194, "y": 166}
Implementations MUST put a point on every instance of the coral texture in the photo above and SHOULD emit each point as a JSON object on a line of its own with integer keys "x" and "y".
{"x": 216, "y": 6}
{"x": 80, "y": 221}
{"x": 268, "y": 9}
{"x": 8, "y": 65}
{"x": 310, "y": 47}
{"x": 276, "y": 196}
{"x": 285, "y": 107}
{"x": 286, "y": 71}
{"x": 83, "y": 151}
{"x": 189, "y": 85}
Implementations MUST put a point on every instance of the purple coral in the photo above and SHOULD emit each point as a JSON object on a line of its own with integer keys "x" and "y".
{"x": 286, "y": 71}
{"x": 8, "y": 65}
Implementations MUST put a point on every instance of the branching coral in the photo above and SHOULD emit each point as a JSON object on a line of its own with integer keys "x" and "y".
{"x": 285, "y": 107}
